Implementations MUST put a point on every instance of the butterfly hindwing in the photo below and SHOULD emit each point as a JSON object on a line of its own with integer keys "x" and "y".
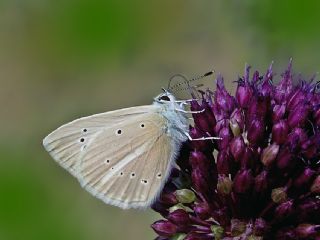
{"x": 127, "y": 163}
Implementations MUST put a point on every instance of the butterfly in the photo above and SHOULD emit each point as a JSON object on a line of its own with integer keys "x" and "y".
{"x": 123, "y": 157}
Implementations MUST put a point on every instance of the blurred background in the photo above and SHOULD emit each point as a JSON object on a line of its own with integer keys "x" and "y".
{"x": 60, "y": 60}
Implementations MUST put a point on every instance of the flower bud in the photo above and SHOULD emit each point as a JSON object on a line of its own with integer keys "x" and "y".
{"x": 237, "y": 116}
{"x": 269, "y": 154}
{"x": 235, "y": 128}
{"x": 185, "y": 196}
{"x": 217, "y": 231}
{"x": 200, "y": 119}
{"x": 195, "y": 106}
{"x": 260, "y": 227}
{"x": 224, "y": 185}
{"x": 280, "y": 132}
{"x": 199, "y": 180}
{"x": 243, "y": 181}
{"x": 237, "y": 147}
{"x": 309, "y": 206}
{"x": 257, "y": 109}
{"x": 278, "y": 112}
{"x": 279, "y": 195}
{"x": 168, "y": 198}
{"x": 311, "y": 147}
{"x": 261, "y": 182}
{"x": 295, "y": 98}
{"x": 296, "y": 137}
{"x": 284, "y": 158}
{"x": 304, "y": 177}
{"x": 314, "y": 100}
{"x": 211, "y": 119}
{"x": 284, "y": 87}
{"x": 307, "y": 230}
{"x": 284, "y": 209}
{"x": 164, "y": 228}
{"x": 198, "y": 160}
{"x": 267, "y": 87}
{"x": 199, "y": 145}
{"x": 237, "y": 227}
{"x": 177, "y": 207}
{"x": 298, "y": 116}
{"x": 243, "y": 95}
{"x": 226, "y": 136}
{"x": 207, "y": 105}
{"x": 179, "y": 217}
{"x": 315, "y": 187}
{"x": 256, "y": 131}
{"x": 222, "y": 98}
{"x": 224, "y": 162}
{"x": 248, "y": 158}
{"x": 202, "y": 210}
{"x": 220, "y": 216}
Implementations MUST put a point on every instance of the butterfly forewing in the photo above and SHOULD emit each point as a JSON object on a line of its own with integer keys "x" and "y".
{"x": 127, "y": 163}
{"x": 67, "y": 143}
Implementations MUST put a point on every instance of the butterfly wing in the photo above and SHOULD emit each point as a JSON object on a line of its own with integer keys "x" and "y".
{"x": 127, "y": 164}
{"x": 67, "y": 143}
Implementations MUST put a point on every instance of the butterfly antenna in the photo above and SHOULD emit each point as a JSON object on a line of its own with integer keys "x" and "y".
{"x": 186, "y": 81}
{"x": 186, "y": 88}
{"x": 178, "y": 84}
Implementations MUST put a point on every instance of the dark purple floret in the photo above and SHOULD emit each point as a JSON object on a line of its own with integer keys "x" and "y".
{"x": 243, "y": 181}
{"x": 164, "y": 228}
{"x": 261, "y": 179}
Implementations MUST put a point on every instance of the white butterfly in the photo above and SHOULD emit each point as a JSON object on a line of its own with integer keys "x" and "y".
{"x": 123, "y": 157}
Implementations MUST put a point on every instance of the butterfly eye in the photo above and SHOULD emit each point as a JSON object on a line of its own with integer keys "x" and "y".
{"x": 164, "y": 98}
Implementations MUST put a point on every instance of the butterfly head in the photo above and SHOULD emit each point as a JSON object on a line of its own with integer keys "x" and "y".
{"x": 165, "y": 98}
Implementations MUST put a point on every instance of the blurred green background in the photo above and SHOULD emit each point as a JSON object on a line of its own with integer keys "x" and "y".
{"x": 60, "y": 60}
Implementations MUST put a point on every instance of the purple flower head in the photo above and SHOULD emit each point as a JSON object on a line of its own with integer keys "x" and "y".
{"x": 261, "y": 178}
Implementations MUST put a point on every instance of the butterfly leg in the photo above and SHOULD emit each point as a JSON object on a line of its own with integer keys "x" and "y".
{"x": 184, "y": 111}
{"x": 202, "y": 138}
{"x": 186, "y": 101}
